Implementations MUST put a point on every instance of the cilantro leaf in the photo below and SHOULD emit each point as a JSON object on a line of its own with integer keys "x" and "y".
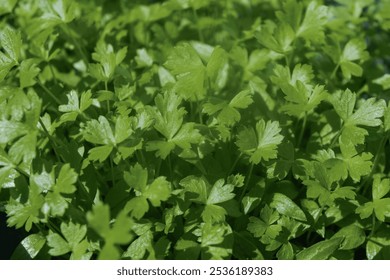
{"x": 368, "y": 114}
{"x": 353, "y": 50}
{"x": 302, "y": 97}
{"x": 321, "y": 250}
{"x": 189, "y": 71}
{"x": 169, "y": 119}
{"x": 11, "y": 43}
{"x": 74, "y": 241}
{"x": 262, "y": 143}
{"x": 117, "y": 233}
{"x": 25, "y": 213}
{"x": 379, "y": 205}
{"x": 157, "y": 191}
{"x": 227, "y": 112}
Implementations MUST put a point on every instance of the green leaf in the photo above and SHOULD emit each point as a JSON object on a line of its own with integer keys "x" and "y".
{"x": 169, "y": 117}
{"x": 354, "y": 50}
{"x": 158, "y": 191}
{"x": 368, "y": 114}
{"x": 9, "y": 130}
{"x": 143, "y": 59}
{"x": 7, "y": 6}
{"x": 29, "y": 247}
{"x": 139, "y": 247}
{"x": 211, "y": 234}
{"x": 28, "y": 72}
{"x": 380, "y": 187}
{"x": 7, "y": 177}
{"x": 122, "y": 129}
{"x": 377, "y": 247}
{"x": 58, "y": 245}
{"x": 262, "y": 143}
{"x": 100, "y": 153}
{"x": 387, "y": 118}
{"x": 382, "y": 208}
{"x": 357, "y": 165}
{"x": 62, "y": 10}
{"x": 312, "y": 26}
{"x": 353, "y": 236}
{"x": 189, "y": 71}
{"x": 11, "y": 42}
{"x": 227, "y": 112}
{"x": 383, "y": 81}
{"x": 27, "y": 213}
{"x": 278, "y": 40}
{"x": 138, "y": 206}
{"x": 99, "y": 132}
{"x": 217, "y": 68}
{"x": 137, "y": 178}
{"x": 213, "y": 214}
{"x": 197, "y": 187}
{"x": 321, "y": 250}
{"x": 6, "y": 65}
{"x": 116, "y": 233}
{"x": 220, "y": 192}
{"x": 286, "y": 252}
{"x": 285, "y": 206}
{"x": 66, "y": 180}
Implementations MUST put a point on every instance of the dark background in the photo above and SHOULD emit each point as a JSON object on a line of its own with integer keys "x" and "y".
{"x": 9, "y": 238}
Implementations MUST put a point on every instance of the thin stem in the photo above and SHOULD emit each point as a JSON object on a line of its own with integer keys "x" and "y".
{"x": 314, "y": 224}
{"x": 332, "y": 76}
{"x": 68, "y": 33}
{"x": 53, "y": 74}
{"x": 107, "y": 101}
{"x": 51, "y": 139}
{"x": 112, "y": 171}
{"x": 234, "y": 164}
{"x": 200, "y": 34}
{"x": 247, "y": 182}
{"x": 157, "y": 173}
{"x": 373, "y": 226}
{"x": 335, "y": 138}
{"x": 374, "y": 165}
{"x": 199, "y": 112}
{"x": 170, "y": 167}
{"x": 302, "y": 131}
{"x": 49, "y": 92}
{"x": 286, "y": 60}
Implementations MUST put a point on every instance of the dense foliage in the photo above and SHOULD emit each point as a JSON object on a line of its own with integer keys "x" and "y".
{"x": 196, "y": 129}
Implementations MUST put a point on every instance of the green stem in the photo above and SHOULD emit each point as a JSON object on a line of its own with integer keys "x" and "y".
{"x": 170, "y": 168}
{"x": 54, "y": 227}
{"x": 112, "y": 171}
{"x": 302, "y": 130}
{"x": 53, "y": 74}
{"x": 200, "y": 34}
{"x": 58, "y": 157}
{"x": 234, "y": 165}
{"x": 335, "y": 138}
{"x": 49, "y": 92}
{"x": 374, "y": 165}
{"x": 314, "y": 224}
{"x": 51, "y": 139}
{"x": 69, "y": 34}
{"x": 157, "y": 173}
{"x": 107, "y": 101}
{"x": 373, "y": 226}
{"x": 332, "y": 76}
{"x": 247, "y": 182}
{"x": 286, "y": 60}
{"x": 199, "y": 110}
